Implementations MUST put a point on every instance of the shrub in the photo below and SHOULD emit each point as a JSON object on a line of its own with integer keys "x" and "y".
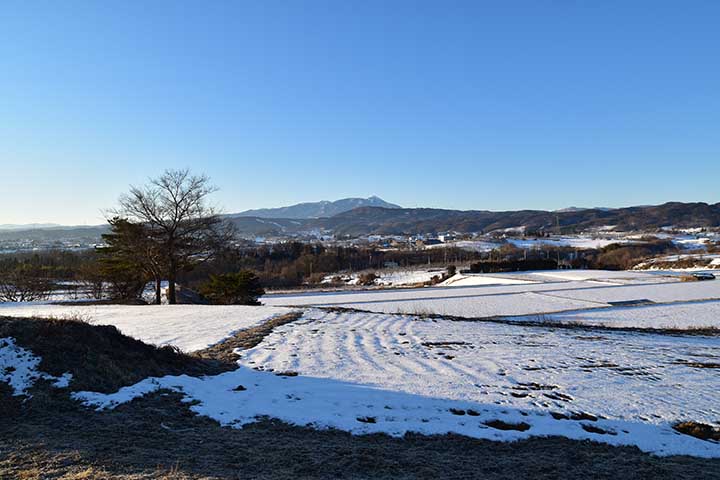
{"x": 24, "y": 283}
{"x": 367, "y": 279}
{"x": 316, "y": 278}
{"x": 241, "y": 288}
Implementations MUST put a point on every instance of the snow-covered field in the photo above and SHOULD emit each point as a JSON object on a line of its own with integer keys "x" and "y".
{"x": 467, "y": 280}
{"x": 366, "y": 373}
{"x": 698, "y": 262}
{"x": 540, "y": 292}
{"x": 659, "y": 293}
{"x": 188, "y": 327}
{"x": 395, "y": 373}
{"x": 575, "y": 242}
{"x": 605, "y": 276}
{"x": 690, "y": 315}
{"x": 470, "y": 245}
{"x": 390, "y": 277}
{"x": 479, "y": 306}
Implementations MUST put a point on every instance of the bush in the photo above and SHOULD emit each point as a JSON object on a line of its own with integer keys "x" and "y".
{"x": 367, "y": 279}
{"x": 623, "y": 257}
{"x": 451, "y": 271}
{"x": 24, "y": 283}
{"x": 125, "y": 283}
{"x": 241, "y": 288}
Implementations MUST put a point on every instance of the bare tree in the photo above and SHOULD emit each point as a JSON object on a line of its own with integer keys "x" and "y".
{"x": 24, "y": 284}
{"x": 174, "y": 208}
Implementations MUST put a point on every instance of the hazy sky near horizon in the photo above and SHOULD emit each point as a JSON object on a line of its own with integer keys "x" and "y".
{"x": 456, "y": 104}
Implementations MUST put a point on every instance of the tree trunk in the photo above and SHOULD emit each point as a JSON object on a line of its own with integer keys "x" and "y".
{"x": 172, "y": 300}
{"x": 158, "y": 292}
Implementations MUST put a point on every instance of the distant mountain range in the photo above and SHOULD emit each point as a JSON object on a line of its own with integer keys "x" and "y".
{"x": 409, "y": 221}
{"x": 394, "y": 220}
{"x": 430, "y": 220}
{"x": 28, "y": 226}
{"x": 55, "y": 233}
{"x": 322, "y": 209}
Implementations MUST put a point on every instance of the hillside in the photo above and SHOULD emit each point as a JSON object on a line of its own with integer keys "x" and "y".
{"x": 369, "y": 220}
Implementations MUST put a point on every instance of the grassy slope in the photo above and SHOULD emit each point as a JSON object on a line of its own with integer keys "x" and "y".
{"x": 51, "y": 436}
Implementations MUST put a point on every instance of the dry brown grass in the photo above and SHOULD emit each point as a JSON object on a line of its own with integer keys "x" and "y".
{"x": 157, "y": 436}
{"x": 99, "y": 357}
{"x": 65, "y": 441}
{"x": 698, "y": 430}
{"x": 245, "y": 339}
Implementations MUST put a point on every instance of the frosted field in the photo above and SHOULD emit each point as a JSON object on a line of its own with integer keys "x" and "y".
{"x": 487, "y": 284}
{"x": 391, "y": 277}
{"x": 369, "y": 373}
{"x": 577, "y": 242}
{"x": 661, "y": 293}
{"x": 691, "y": 315}
{"x": 468, "y": 280}
{"x": 549, "y": 292}
{"x": 188, "y": 327}
{"x": 394, "y": 373}
{"x": 480, "y": 306}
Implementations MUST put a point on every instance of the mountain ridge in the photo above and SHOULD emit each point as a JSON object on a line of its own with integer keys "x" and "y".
{"x": 321, "y": 209}
{"x": 369, "y": 220}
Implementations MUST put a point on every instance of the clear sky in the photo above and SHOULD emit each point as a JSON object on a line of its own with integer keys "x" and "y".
{"x": 471, "y": 105}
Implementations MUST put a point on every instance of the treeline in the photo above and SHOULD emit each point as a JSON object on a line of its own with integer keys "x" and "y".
{"x": 28, "y": 277}
{"x": 618, "y": 256}
{"x": 293, "y": 264}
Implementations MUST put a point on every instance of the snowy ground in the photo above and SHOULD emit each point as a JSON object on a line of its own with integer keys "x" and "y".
{"x": 684, "y": 315}
{"x": 395, "y": 278}
{"x": 467, "y": 280}
{"x": 701, "y": 262}
{"x": 188, "y": 327}
{"x": 19, "y": 368}
{"x": 541, "y": 292}
{"x": 575, "y": 242}
{"x": 385, "y": 372}
{"x": 368, "y": 373}
{"x": 470, "y": 245}
{"x": 663, "y": 292}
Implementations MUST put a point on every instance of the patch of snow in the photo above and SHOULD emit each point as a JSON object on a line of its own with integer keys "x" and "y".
{"x": 691, "y": 315}
{"x": 659, "y": 293}
{"x": 569, "y": 275}
{"x": 559, "y": 290}
{"x": 188, "y": 327}
{"x": 469, "y": 279}
{"x": 470, "y": 245}
{"x": 575, "y": 242}
{"x": 367, "y": 373}
{"x": 391, "y": 277}
{"x": 19, "y": 368}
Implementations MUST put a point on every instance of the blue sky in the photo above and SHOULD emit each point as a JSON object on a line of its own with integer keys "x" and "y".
{"x": 470, "y": 105}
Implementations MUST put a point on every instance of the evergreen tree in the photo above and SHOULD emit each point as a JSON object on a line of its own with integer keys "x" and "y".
{"x": 132, "y": 257}
{"x": 241, "y": 288}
